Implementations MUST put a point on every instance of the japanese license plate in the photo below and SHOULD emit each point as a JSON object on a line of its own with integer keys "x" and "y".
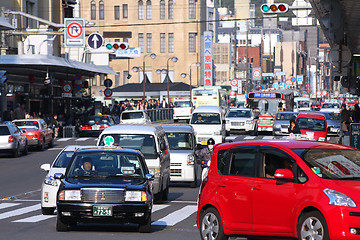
{"x": 102, "y": 210}
{"x": 264, "y": 129}
{"x": 95, "y": 127}
{"x": 203, "y": 142}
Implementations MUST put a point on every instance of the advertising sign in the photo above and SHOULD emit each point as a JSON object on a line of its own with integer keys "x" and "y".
{"x": 208, "y": 68}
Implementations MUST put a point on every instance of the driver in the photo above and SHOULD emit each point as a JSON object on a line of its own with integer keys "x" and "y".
{"x": 86, "y": 168}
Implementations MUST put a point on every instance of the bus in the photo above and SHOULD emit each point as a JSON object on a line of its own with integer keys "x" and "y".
{"x": 209, "y": 96}
{"x": 266, "y": 104}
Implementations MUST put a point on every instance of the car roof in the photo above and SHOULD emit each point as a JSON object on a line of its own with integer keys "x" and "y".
{"x": 240, "y": 109}
{"x": 317, "y": 115}
{"x": 212, "y": 109}
{"x": 133, "y": 129}
{"x": 6, "y": 123}
{"x": 75, "y": 147}
{"x": 290, "y": 112}
{"x": 127, "y": 111}
{"x": 178, "y": 128}
{"x": 28, "y": 120}
{"x": 110, "y": 149}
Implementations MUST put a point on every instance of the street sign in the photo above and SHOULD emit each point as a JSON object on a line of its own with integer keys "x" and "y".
{"x": 95, "y": 40}
{"x": 256, "y": 73}
{"x": 355, "y": 135}
{"x": 239, "y": 90}
{"x": 67, "y": 88}
{"x": 66, "y": 95}
{"x": 108, "y": 83}
{"x": 234, "y": 82}
{"x": 262, "y": 87}
{"x": 324, "y": 93}
{"x": 336, "y": 93}
{"x": 293, "y": 79}
{"x": 282, "y": 85}
{"x": 275, "y": 85}
{"x": 300, "y": 79}
{"x": 267, "y": 74}
{"x": 232, "y": 93}
{"x": 280, "y": 73}
{"x": 318, "y": 93}
{"x": 128, "y": 53}
{"x": 74, "y": 33}
{"x": 109, "y": 140}
{"x": 108, "y": 92}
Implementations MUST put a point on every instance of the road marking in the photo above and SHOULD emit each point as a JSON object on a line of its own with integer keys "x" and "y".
{"x": 191, "y": 202}
{"x": 175, "y": 217}
{"x": 158, "y": 207}
{"x": 63, "y": 139}
{"x": 268, "y": 137}
{"x": 7, "y": 205}
{"x": 26, "y": 200}
{"x": 53, "y": 149}
{"x": 34, "y": 219}
{"x": 249, "y": 137}
{"x": 81, "y": 139}
{"x": 20, "y": 211}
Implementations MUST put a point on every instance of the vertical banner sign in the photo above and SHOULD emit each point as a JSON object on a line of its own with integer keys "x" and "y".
{"x": 74, "y": 32}
{"x": 208, "y": 65}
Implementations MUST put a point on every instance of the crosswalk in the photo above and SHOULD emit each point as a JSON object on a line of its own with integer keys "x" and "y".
{"x": 167, "y": 215}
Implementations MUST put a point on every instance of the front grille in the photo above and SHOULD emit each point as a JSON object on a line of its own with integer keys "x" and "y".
{"x": 175, "y": 172}
{"x": 237, "y": 123}
{"x": 175, "y": 164}
{"x": 102, "y": 195}
{"x": 284, "y": 126}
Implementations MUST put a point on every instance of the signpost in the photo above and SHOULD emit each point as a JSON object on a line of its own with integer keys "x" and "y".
{"x": 232, "y": 93}
{"x": 74, "y": 34}
{"x": 234, "y": 82}
{"x": 300, "y": 79}
{"x": 293, "y": 79}
{"x": 95, "y": 40}
{"x": 355, "y": 135}
{"x": 324, "y": 93}
{"x": 282, "y": 85}
{"x": 108, "y": 92}
{"x": 67, "y": 88}
{"x": 256, "y": 73}
{"x": 318, "y": 93}
{"x": 108, "y": 83}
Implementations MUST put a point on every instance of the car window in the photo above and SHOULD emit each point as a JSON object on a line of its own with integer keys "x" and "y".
{"x": 286, "y": 116}
{"x": 132, "y": 115}
{"x": 242, "y": 163}
{"x": 312, "y": 124}
{"x": 4, "y": 130}
{"x": 205, "y": 118}
{"x": 27, "y": 124}
{"x": 63, "y": 160}
{"x": 222, "y": 157}
{"x": 182, "y": 104}
{"x": 239, "y": 113}
{"x": 180, "y": 141}
{"x": 272, "y": 160}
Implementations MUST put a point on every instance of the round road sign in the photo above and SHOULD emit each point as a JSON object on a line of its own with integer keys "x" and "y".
{"x": 232, "y": 93}
{"x": 293, "y": 79}
{"x": 234, "y": 82}
{"x": 95, "y": 40}
{"x": 336, "y": 93}
{"x": 74, "y": 30}
{"x": 318, "y": 93}
{"x": 78, "y": 76}
{"x": 256, "y": 74}
{"x": 108, "y": 92}
{"x": 67, "y": 88}
{"x": 108, "y": 83}
{"x": 324, "y": 93}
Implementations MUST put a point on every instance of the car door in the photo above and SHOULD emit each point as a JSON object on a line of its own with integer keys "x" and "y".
{"x": 273, "y": 200}
{"x": 46, "y": 131}
{"x": 234, "y": 195}
{"x": 164, "y": 159}
{"x": 19, "y": 136}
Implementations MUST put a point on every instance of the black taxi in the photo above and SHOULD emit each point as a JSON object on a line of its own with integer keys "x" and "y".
{"x": 105, "y": 185}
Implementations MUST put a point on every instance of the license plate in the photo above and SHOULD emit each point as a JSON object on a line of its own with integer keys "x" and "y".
{"x": 284, "y": 130}
{"x": 203, "y": 142}
{"x": 333, "y": 129}
{"x": 95, "y": 127}
{"x": 264, "y": 128}
{"x": 102, "y": 210}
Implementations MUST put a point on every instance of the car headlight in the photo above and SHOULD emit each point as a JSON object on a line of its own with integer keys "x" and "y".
{"x": 217, "y": 133}
{"x": 49, "y": 180}
{"x": 322, "y": 139}
{"x": 70, "y": 195}
{"x": 155, "y": 171}
{"x": 248, "y": 122}
{"x": 135, "y": 196}
{"x": 338, "y": 199}
{"x": 277, "y": 126}
{"x": 227, "y": 121}
{"x": 190, "y": 159}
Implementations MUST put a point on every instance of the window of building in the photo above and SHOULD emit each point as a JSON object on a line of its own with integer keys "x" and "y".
{"x": 93, "y": 81}
{"x": 117, "y": 79}
{"x": 148, "y": 75}
{"x": 192, "y": 42}
{"x": 141, "y": 10}
{"x": 148, "y": 42}
{"x": 171, "y": 76}
{"x": 117, "y": 12}
{"x": 102, "y": 79}
{"x": 125, "y": 11}
{"x": 171, "y": 42}
{"x": 141, "y": 42}
{"x": 192, "y": 9}
{"x": 148, "y": 10}
{"x": 162, "y": 9}
{"x": 101, "y": 10}
{"x": 171, "y": 9}
{"x": 93, "y": 10}
{"x": 126, "y": 77}
{"x": 162, "y": 42}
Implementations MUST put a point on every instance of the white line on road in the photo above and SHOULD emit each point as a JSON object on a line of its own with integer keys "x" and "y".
{"x": 158, "y": 207}
{"x": 63, "y": 139}
{"x": 52, "y": 149}
{"x": 81, "y": 139}
{"x": 34, "y": 219}
{"x": 249, "y": 137}
{"x": 175, "y": 217}
{"x": 193, "y": 202}
{"x": 20, "y": 211}
{"x": 268, "y": 137}
{"x": 7, "y": 205}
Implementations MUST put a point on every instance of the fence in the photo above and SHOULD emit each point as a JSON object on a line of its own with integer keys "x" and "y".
{"x": 160, "y": 114}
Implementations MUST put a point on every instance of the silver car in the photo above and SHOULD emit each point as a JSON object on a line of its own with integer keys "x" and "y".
{"x": 241, "y": 119}
{"x": 12, "y": 140}
{"x": 134, "y": 117}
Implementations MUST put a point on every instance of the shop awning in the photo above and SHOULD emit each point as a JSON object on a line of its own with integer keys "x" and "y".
{"x": 5, "y": 25}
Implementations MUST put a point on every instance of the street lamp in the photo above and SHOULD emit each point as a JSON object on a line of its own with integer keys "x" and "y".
{"x": 137, "y": 69}
{"x": 183, "y": 75}
{"x": 174, "y": 59}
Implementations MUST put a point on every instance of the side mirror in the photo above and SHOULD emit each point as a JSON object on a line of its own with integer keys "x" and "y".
{"x": 58, "y": 176}
{"x": 45, "y": 167}
{"x": 150, "y": 177}
{"x": 284, "y": 174}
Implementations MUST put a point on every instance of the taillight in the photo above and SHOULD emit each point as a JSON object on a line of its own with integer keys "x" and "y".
{"x": 173, "y": 111}
{"x": 190, "y": 110}
{"x": 103, "y": 126}
{"x": 11, "y": 139}
{"x": 85, "y": 127}
{"x": 203, "y": 183}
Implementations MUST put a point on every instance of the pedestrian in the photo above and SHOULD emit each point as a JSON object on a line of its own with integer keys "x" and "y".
{"x": 356, "y": 114}
{"x": 55, "y": 125}
{"x": 18, "y": 112}
{"x": 164, "y": 104}
{"x": 345, "y": 119}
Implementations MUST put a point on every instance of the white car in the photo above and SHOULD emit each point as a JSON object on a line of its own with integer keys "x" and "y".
{"x": 182, "y": 110}
{"x": 332, "y": 107}
{"x": 51, "y": 185}
{"x": 240, "y": 120}
{"x": 134, "y": 117}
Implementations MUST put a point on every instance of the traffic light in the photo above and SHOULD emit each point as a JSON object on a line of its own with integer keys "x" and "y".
{"x": 274, "y": 8}
{"x": 117, "y": 45}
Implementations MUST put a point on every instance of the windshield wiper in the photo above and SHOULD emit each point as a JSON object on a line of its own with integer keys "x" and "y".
{"x": 89, "y": 176}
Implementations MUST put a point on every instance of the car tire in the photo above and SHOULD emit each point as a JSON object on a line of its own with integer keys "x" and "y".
{"x": 17, "y": 152}
{"x": 165, "y": 194}
{"x": 145, "y": 227}
{"x": 61, "y": 226}
{"x": 176, "y": 120}
{"x": 42, "y": 146}
{"x": 211, "y": 225}
{"x": 314, "y": 218}
{"x": 26, "y": 149}
{"x": 47, "y": 210}
{"x": 158, "y": 197}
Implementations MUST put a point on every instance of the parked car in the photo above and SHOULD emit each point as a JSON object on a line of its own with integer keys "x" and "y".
{"x": 134, "y": 117}
{"x": 281, "y": 189}
{"x": 105, "y": 185}
{"x": 95, "y": 125}
{"x": 50, "y": 185}
{"x": 333, "y": 123}
{"x": 12, "y": 140}
{"x": 282, "y": 122}
{"x": 37, "y": 132}
{"x": 182, "y": 143}
{"x": 182, "y": 110}
{"x": 312, "y": 125}
{"x": 333, "y": 107}
{"x": 240, "y": 120}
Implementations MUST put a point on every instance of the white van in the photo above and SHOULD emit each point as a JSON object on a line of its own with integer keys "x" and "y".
{"x": 301, "y": 104}
{"x": 182, "y": 110}
{"x": 152, "y": 142}
{"x": 183, "y": 167}
{"x": 208, "y": 122}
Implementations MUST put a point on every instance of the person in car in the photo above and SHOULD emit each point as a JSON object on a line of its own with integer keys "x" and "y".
{"x": 86, "y": 168}
{"x": 293, "y": 128}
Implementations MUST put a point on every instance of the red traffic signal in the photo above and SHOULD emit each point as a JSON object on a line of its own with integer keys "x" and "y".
{"x": 117, "y": 45}
{"x": 274, "y": 8}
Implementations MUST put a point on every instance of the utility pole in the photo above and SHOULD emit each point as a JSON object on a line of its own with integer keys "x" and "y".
{"x": 247, "y": 57}
{"x": 235, "y": 46}
{"x": 270, "y": 63}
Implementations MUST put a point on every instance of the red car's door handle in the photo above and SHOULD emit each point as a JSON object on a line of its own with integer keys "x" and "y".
{"x": 222, "y": 185}
{"x": 257, "y": 187}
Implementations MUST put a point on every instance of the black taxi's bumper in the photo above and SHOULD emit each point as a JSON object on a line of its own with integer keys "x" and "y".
{"x": 122, "y": 213}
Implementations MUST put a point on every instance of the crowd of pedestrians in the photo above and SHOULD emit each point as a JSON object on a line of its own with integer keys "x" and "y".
{"x": 348, "y": 116}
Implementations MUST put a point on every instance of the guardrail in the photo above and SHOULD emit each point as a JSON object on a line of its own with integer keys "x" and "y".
{"x": 160, "y": 114}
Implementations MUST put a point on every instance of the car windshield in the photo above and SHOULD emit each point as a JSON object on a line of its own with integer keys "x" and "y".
{"x": 63, "y": 160}
{"x": 131, "y": 115}
{"x": 332, "y": 116}
{"x": 303, "y": 104}
{"x": 180, "y": 141}
{"x": 183, "y": 104}
{"x": 239, "y": 114}
{"x": 330, "y": 105}
{"x": 106, "y": 164}
{"x": 27, "y": 124}
{"x": 4, "y": 131}
{"x": 142, "y": 142}
{"x": 98, "y": 120}
{"x": 332, "y": 163}
{"x": 205, "y": 118}
{"x": 312, "y": 124}
{"x": 286, "y": 116}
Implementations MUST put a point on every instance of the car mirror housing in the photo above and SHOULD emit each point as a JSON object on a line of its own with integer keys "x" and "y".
{"x": 23, "y": 131}
{"x": 45, "y": 167}
{"x": 149, "y": 177}
{"x": 283, "y": 174}
{"x": 58, "y": 176}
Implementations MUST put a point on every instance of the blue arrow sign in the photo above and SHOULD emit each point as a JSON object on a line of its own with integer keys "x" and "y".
{"x": 95, "y": 40}
{"x": 282, "y": 85}
{"x": 108, "y": 83}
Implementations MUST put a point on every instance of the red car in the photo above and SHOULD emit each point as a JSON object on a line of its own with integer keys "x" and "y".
{"x": 291, "y": 189}
{"x": 37, "y": 132}
{"x": 312, "y": 125}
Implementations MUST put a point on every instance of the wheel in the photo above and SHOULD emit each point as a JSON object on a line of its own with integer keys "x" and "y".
{"x": 47, "y": 210}
{"x": 42, "y": 146}
{"x": 51, "y": 143}
{"x": 26, "y": 149}
{"x": 158, "y": 197}
{"x": 211, "y": 225}
{"x": 312, "y": 225}
{"x": 146, "y": 226}
{"x": 60, "y": 226}
{"x": 176, "y": 120}
{"x": 165, "y": 194}
{"x": 17, "y": 152}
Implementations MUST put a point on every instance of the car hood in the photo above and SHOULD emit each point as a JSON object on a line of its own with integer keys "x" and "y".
{"x": 179, "y": 155}
{"x": 77, "y": 183}
{"x": 206, "y": 128}
{"x": 350, "y": 188}
{"x": 238, "y": 118}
